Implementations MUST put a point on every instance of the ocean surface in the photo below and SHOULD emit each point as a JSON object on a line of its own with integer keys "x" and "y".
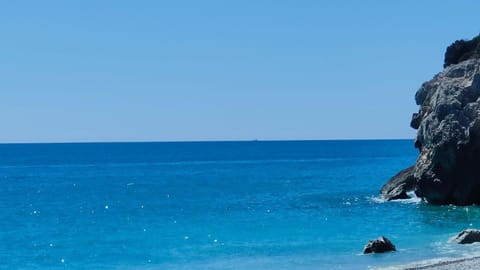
{"x": 215, "y": 205}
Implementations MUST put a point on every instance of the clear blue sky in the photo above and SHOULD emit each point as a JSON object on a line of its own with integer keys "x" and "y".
{"x": 219, "y": 70}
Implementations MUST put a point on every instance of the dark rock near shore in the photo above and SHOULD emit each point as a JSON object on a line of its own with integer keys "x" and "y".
{"x": 398, "y": 186}
{"x": 467, "y": 236}
{"x": 380, "y": 245}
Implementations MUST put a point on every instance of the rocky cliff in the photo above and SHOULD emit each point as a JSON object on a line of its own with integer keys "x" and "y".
{"x": 447, "y": 170}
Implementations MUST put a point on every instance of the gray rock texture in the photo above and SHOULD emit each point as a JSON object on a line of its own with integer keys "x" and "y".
{"x": 447, "y": 170}
{"x": 398, "y": 186}
{"x": 448, "y": 167}
{"x": 467, "y": 236}
{"x": 380, "y": 245}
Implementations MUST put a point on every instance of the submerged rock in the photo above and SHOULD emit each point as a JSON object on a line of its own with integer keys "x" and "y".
{"x": 398, "y": 186}
{"x": 467, "y": 236}
{"x": 380, "y": 245}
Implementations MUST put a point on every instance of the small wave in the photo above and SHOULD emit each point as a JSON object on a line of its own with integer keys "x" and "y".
{"x": 411, "y": 194}
{"x": 413, "y": 198}
{"x": 376, "y": 199}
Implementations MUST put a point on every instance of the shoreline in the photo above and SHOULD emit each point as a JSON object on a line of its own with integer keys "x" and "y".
{"x": 454, "y": 264}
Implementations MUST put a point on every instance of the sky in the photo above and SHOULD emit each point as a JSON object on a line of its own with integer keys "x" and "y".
{"x": 83, "y": 71}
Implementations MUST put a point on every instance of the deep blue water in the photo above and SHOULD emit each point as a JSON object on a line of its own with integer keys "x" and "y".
{"x": 214, "y": 205}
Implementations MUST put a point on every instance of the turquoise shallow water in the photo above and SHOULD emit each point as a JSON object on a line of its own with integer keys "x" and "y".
{"x": 216, "y": 205}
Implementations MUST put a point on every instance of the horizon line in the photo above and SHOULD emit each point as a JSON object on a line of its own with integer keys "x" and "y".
{"x": 208, "y": 141}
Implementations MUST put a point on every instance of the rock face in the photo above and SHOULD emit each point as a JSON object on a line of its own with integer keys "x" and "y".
{"x": 447, "y": 170}
{"x": 380, "y": 245}
{"x": 448, "y": 167}
{"x": 398, "y": 186}
{"x": 467, "y": 236}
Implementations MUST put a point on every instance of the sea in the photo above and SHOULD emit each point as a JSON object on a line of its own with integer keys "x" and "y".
{"x": 217, "y": 205}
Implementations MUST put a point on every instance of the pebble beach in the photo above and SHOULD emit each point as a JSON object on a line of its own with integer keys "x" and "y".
{"x": 461, "y": 264}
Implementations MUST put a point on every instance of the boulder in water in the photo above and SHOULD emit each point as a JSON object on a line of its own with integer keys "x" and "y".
{"x": 467, "y": 236}
{"x": 380, "y": 245}
{"x": 397, "y": 187}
